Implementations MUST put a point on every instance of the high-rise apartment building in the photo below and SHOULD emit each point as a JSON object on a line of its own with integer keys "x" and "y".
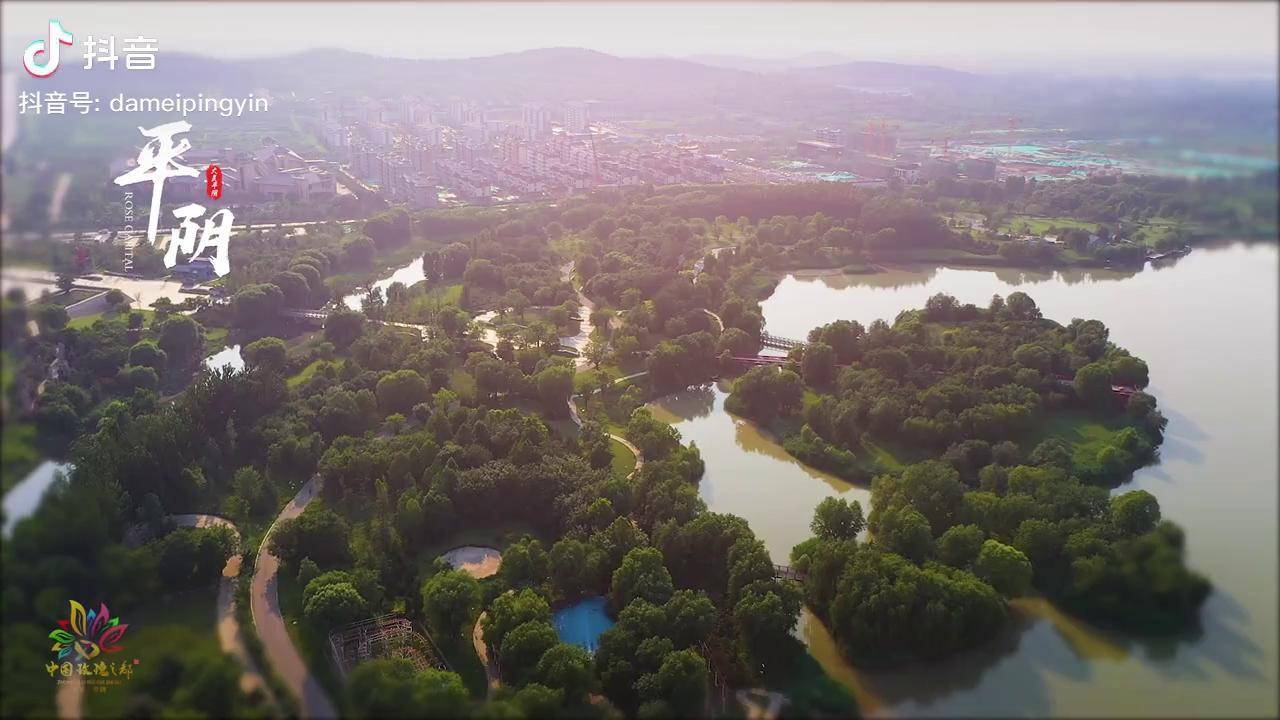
{"x": 576, "y": 118}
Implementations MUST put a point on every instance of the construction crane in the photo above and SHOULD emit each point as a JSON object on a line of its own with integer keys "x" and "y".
{"x": 595, "y": 161}
{"x": 1014, "y": 124}
{"x": 879, "y": 130}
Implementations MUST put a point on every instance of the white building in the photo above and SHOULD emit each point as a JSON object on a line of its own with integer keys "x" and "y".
{"x": 576, "y": 117}
{"x": 536, "y": 119}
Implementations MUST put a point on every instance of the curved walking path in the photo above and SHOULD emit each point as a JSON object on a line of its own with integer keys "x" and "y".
{"x": 70, "y": 696}
{"x": 493, "y": 679}
{"x": 719, "y": 322}
{"x": 264, "y": 602}
{"x": 230, "y": 638}
{"x": 577, "y": 420}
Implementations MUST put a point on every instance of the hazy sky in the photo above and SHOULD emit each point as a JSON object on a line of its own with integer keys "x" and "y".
{"x": 1078, "y": 36}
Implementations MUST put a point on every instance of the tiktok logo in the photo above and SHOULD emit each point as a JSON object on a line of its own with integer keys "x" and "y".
{"x": 48, "y": 48}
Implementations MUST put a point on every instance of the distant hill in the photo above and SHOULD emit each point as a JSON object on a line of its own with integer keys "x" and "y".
{"x": 884, "y": 74}
{"x": 763, "y": 65}
{"x": 549, "y": 75}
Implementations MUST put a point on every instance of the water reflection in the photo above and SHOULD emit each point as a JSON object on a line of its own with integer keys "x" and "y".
{"x": 226, "y": 357}
{"x": 749, "y": 474}
{"x": 1206, "y": 325}
{"x": 408, "y": 274}
{"x": 694, "y": 402}
{"x": 23, "y": 499}
{"x": 904, "y": 275}
{"x": 884, "y": 692}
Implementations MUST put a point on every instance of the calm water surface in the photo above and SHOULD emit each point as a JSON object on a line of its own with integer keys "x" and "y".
{"x": 1207, "y": 326}
{"x": 409, "y": 274}
{"x": 228, "y": 356}
{"x": 22, "y": 499}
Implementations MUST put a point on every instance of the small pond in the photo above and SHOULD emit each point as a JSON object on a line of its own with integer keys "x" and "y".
{"x": 478, "y": 562}
{"x": 23, "y": 499}
{"x": 226, "y": 357}
{"x": 582, "y": 623}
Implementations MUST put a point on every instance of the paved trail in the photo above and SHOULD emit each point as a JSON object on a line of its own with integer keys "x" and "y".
{"x": 264, "y": 595}
{"x": 482, "y": 652}
{"x": 70, "y": 696}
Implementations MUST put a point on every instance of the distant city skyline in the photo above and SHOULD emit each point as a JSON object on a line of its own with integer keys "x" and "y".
{"x": 1080, "y": 37}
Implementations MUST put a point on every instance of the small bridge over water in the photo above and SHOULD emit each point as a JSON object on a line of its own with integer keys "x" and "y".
{"x": 304, "y": 314}
{"x": 1123, "y": 392}
{"x": 760, "y": 359}
{"x": 780, "y": 343}
{"x": 786, "y": 572}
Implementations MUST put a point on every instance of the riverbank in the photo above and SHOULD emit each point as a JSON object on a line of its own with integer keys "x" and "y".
{"x": 1215, "y": 478}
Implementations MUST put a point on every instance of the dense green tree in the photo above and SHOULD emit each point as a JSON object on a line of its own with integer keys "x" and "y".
{"x": 343, "y": 327}
{"x": 682, "y": 682}
{"x": 335, "y": 605}
{"x": 837, "y": 519}
{"x": 818, "y": 366}
{"x": 905, "y": 531}
{"x": 255, "y": 306}
{"x": 1004, "y": 568}
{"x": 451, "y": 600}
{"x": 764, "y": 393}
{"x": 642, "y": 575}
{"x": 147, "y": 353}
{"x": 510, "y": 610}
{"x": 959, "y": 545}
{"x": 318, "y": 533}
{"x": 1093, "y": 384}
{"x": 268, "y": 353}
{"x": 391, "y": 688}
{"x": 566, "y": 668}
{"x": 401, "y": 390}
{"x": 180, "y": 339}
{"x": 524, "y": 646}
{"x": 1135, "y": 512}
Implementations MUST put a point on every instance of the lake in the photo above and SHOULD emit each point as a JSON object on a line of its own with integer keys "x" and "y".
{"x": 1206, "y": 324}
{"x": 408, "y": 274}
{"x": 226, "y": 357}
{"x": 22, "y": 499}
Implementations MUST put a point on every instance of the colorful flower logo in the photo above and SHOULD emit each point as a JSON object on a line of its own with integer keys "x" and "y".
{"x": 87, "y": 634}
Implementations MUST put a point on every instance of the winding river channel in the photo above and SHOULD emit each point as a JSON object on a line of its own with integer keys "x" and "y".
{"x": 1206, "y": 325}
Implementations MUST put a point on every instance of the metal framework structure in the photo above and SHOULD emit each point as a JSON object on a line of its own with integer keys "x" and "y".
{"x": 385, "y": 636}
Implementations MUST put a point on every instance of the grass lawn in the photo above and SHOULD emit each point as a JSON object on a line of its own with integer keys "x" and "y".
{"x": 87, "y": 321}
{"x": 1085, "y": 433}
{"x": 881, "y": 456}
{"x": 305, "y": 373}
{"x": 183, "y": 625}
{"x": 446, "y": 294}
{"x": 70, "y": 298}
{"x": 812, "y": 692}
{"x": 215, "y": 338}
{"x": 624, "y": 461}
{"x": 310, "y": 337}
{"x": 462, "y": 383}
{"x": 312, "y": 644}
{"x": 461, "y": 656}
{"x": 18, "y": 454}
{"x": 1039, "y": 225}
{"x": 436, "y": 296}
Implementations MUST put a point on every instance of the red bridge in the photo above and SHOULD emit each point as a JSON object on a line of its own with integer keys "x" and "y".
{"x": 1124, "y": 391}
{"x": 760, "y": 359}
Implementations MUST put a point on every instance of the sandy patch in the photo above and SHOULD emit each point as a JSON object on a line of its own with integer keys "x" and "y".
{"x": 479, "y": 562}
